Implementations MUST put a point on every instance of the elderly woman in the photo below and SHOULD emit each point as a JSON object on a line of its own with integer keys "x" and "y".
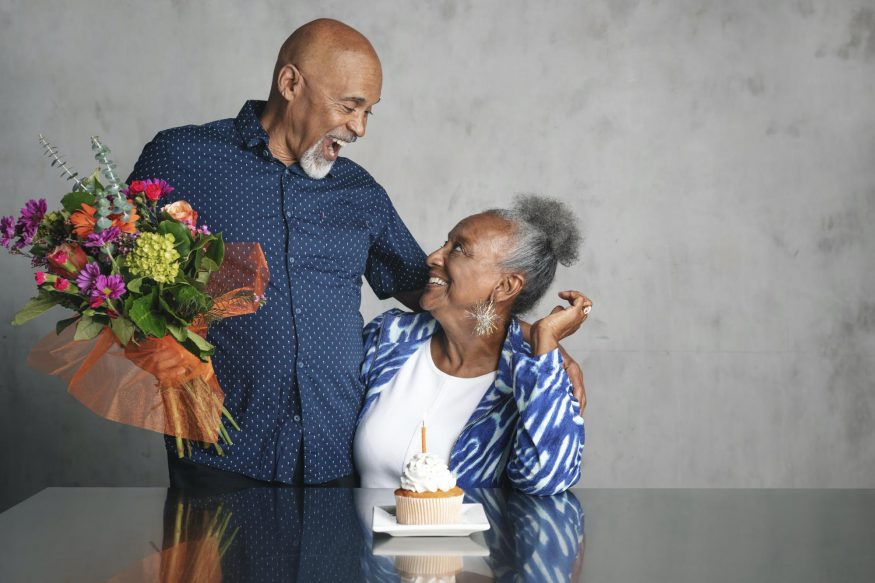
{"x": 497, "y": 410}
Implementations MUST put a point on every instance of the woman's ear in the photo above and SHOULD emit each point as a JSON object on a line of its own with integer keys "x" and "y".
{"x": 508, "y": 288}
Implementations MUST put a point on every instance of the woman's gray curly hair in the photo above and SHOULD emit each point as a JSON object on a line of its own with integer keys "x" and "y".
{"x": 545, "y": 234}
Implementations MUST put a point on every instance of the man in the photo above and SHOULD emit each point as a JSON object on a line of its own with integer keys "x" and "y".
{"x": 273, "y": 175}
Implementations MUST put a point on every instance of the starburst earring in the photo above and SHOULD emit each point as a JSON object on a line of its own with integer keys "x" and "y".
{"x": 485, "y": 317}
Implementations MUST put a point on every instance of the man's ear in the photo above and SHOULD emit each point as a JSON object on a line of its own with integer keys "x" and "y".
{"x": 508, "y": 288}
{"x": 288, "y": 82}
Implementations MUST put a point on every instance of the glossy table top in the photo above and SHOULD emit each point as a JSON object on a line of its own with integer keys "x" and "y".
{"x": 153, "y": 534}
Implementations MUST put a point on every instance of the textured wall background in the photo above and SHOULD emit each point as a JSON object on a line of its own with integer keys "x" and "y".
{"x": 720, "y": 156}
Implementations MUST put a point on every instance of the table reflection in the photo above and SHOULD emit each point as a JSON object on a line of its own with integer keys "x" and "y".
{"x": 267, "y": 534}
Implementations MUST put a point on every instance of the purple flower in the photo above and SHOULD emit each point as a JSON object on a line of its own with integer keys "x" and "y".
{"x": 203, "y": 230}
{"x": 102, "y": 238}
{"x": 33, "y": 212}
{"x": 106, "y": 287}
{"x": 7, "y": 231}
{"x": 86, "y": 278}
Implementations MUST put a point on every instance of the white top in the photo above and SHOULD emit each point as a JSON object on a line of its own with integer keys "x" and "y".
{"x": 389, "y": 433}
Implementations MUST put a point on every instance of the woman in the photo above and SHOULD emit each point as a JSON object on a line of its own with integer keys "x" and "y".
{"x": 497, "y": 409}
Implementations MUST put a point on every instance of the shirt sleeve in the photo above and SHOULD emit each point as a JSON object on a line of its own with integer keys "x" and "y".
{"x": 549, "y": 438}
{"x": 154, "y": 161}
{"x": 396, "y": 262}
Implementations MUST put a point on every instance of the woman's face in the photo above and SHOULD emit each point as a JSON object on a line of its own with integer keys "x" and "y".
{"x": 464, "y": 271}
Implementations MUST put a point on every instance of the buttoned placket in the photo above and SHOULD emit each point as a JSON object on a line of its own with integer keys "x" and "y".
{"x": 288, "y": 197}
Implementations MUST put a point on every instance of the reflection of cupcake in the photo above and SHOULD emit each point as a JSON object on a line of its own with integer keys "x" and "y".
{"x": 428, "y": 568}
{"x": 428, "y": 493}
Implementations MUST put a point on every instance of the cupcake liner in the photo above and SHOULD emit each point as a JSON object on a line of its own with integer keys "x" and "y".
{"x": 411, "y": 510}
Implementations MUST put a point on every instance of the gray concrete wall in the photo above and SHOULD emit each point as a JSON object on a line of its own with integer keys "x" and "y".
{"x": 720, "y": 156}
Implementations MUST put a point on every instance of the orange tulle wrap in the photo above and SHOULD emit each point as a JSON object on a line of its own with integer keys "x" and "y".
{"x": 155, "y": 383}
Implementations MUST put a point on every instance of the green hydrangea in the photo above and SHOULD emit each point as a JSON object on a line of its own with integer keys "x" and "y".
{"x": 155, "y": 256}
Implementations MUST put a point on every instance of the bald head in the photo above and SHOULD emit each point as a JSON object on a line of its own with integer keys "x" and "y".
{"x": 326, "y": 81}
{"x": 324, "y": 45}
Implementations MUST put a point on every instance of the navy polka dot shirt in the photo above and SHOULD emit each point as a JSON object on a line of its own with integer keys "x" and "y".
{"x": 290, "y": 372}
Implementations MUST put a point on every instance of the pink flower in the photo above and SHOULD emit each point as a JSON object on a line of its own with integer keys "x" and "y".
{"x": 62, "y": 284}
{"x": 66, "y": 258}
{"x": 40, "y": 277}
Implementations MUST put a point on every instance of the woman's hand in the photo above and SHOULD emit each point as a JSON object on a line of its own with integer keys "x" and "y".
{"x": 561, "y": 323}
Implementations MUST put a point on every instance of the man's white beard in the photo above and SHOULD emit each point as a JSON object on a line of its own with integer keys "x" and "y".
{"x": 314, "y": 163}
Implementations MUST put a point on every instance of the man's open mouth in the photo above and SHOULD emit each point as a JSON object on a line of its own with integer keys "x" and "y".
{"x": 331, "y": 146}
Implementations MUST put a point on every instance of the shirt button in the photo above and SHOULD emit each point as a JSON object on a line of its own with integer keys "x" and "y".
{"x": 297, "y": 310}
{"x": 291, "y": 259}
{"x": 288, "y": 214}
{"x": 297, "y": 418}
{"x": 265, "y": 152}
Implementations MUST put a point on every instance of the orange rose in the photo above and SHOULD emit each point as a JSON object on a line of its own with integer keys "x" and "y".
{"x": 84, "y": 220}
{"x": 182, "y": 212}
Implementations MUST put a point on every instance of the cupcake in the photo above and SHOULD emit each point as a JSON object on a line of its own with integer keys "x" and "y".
{"x": 428, "y": 493}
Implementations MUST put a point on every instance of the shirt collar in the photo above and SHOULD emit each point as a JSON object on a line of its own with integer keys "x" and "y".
{"x": 253, "y": 135}
{"x": 248, "y": 125}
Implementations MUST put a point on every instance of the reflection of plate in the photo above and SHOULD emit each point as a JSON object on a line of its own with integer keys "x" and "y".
{"x": 473, "y": 520}
{"x": 426, "y": 546}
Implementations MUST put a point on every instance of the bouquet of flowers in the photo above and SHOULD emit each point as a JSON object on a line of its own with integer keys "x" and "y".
{"x": 145, "y": 281}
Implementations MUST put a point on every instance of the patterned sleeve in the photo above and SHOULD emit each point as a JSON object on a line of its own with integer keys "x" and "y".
{"x": 396, "y": 262}
{"x": 548, "y": 443}
{"x": 371, "y": 340}
{"x": 155, "y": 161}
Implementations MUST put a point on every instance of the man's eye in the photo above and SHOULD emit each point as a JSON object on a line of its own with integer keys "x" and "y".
{"x": 369, "y": 113}
{"x": 348, "y": 109}
{"x": 457, "y": 247}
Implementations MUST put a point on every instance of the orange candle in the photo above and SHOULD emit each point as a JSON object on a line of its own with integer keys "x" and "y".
{"x": 422, "y": 434}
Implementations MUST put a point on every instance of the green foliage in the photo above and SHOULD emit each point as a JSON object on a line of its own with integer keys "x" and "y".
{"x": 89, "y": 327}
{"x": 181, "y": 235}
{"x": 123, "y": 329}
{"x": 64, "y": 324}
{"x": 145, "y": 314}
{"x": 198, "y": 345}
{"x": 72, "y": 202}
{"x": 35, "y": 307}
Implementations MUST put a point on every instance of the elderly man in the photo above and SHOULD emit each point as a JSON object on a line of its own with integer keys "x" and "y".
{"x": 273, "y": 175}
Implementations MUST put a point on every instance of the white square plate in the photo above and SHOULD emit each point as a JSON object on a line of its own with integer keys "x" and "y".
{"x": 473, "y": 520}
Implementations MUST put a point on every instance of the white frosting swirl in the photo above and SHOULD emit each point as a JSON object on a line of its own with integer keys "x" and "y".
{"x": 426, "y": 472}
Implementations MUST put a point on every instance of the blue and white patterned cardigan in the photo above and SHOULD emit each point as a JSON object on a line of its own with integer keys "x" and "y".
{"x": 526, "y": 431}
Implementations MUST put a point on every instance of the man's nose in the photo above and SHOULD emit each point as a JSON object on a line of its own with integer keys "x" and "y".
{"x": 359, "y": 124}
